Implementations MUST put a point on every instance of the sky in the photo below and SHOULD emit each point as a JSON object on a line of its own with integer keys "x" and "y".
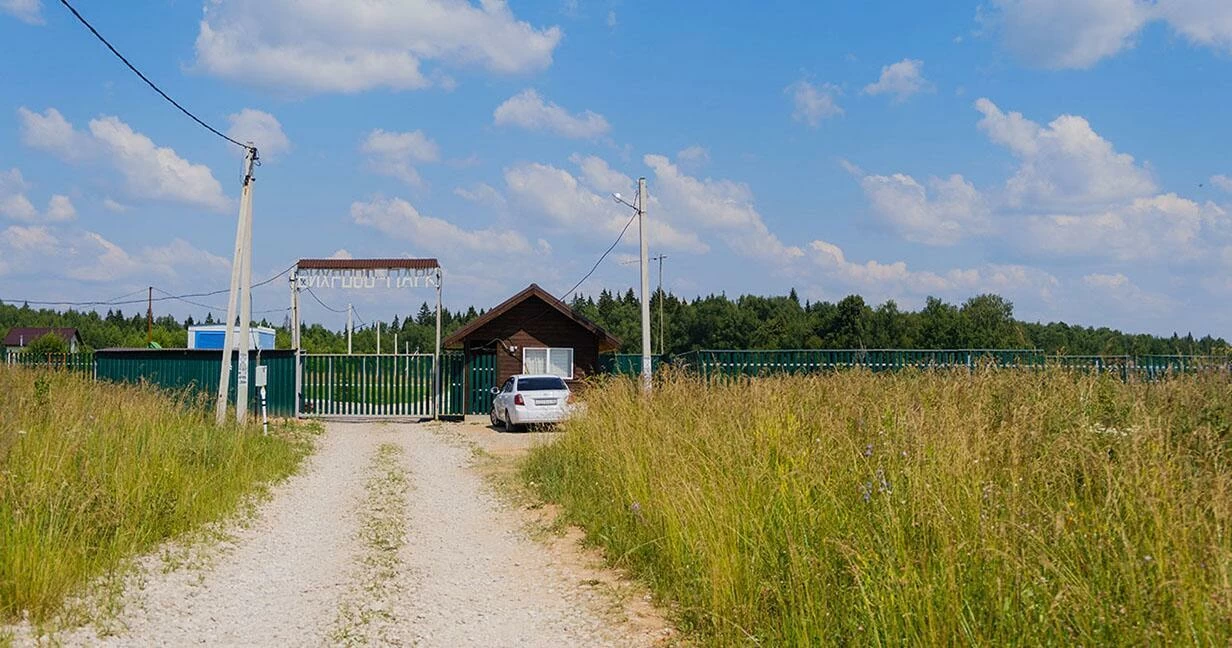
{"x": 1069, "y": 155}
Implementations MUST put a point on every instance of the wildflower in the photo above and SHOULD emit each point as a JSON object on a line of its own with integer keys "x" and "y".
{"x": 868, "y": 450}
{"x": 883, "y": 485}
{"x": 866, "y": 491}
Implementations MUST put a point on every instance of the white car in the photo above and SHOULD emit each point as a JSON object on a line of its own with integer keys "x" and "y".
{"x": 530, "y": 400}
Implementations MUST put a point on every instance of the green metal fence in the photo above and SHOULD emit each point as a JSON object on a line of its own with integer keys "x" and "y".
{"x": 627, "y": 364}
{"x": 195, "y": 373}
{"x": 714, "y": 363}
{"x": 480, "y": 380}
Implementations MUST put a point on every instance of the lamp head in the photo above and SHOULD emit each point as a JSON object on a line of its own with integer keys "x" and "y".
{"x": 617, "y": 197}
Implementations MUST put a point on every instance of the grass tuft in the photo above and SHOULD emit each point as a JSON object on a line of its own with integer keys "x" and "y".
{"x": 92, "y": 474}
{"x": 912, "y": 508}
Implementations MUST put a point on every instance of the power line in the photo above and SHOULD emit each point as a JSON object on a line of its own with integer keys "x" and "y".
{"x": 148, "y": 81}
{"x": 601, "y": 257}
{"x": 561, "y": 299}
{"x": 117, "y": 301}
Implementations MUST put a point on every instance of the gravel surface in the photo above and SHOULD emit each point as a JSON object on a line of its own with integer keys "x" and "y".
{"x": 461, "y": 573}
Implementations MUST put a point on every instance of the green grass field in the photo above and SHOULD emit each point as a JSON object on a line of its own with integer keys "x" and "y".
{"x": 92, "y": 474}
{"x": 1001, "y": 508}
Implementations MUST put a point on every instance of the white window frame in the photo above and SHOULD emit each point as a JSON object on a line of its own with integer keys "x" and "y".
{"x": 550, "y": 351}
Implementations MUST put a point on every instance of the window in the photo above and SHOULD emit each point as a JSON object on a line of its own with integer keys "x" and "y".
{"x": 553, "y": 362}
{"x": 542, "y": 384}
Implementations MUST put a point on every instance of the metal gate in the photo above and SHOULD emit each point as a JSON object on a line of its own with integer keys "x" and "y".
{"x": 375, "y": 385}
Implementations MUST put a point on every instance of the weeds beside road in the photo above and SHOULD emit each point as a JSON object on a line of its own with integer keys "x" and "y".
{"x": 1001, "y": 508}
{"x": 92, "y": 474}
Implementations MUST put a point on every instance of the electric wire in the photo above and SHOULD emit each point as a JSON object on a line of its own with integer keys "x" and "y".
{"x": 148, "y": 82}
{"x": 118, "y": 300}
{"x": 601, "y": 258}
{"x": 561, "y": 299}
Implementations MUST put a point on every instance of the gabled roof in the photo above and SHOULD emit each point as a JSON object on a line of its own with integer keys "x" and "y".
{"x": 23, "y": 335}
{"x": 607, "y": 342}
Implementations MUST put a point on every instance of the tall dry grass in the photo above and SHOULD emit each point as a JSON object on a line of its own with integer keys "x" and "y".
{"x": 92, "y": 474}
{"x": 999, "y": 508}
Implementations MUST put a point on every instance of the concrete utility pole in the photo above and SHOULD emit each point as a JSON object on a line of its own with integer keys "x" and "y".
{"x": 642, "y": 232}
{"x": 350, "y": 329}
{"x": 239, "y": 295}
{"x": 299, "y": 375}
{"x": 661, "y": 300}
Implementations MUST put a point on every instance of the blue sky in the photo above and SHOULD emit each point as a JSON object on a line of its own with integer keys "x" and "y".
{"x": 1070, "y": 155}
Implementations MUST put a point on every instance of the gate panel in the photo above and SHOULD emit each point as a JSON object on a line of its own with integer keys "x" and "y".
{"x": 367, "y": 385}
{"x": 480, "y": 380}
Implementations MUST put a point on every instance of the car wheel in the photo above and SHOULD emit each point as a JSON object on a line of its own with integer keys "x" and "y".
{"x": 509, "y": 426}
{"x": 492, "y": 417}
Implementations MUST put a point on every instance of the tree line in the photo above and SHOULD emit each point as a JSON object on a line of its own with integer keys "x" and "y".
{"x": 710, "y": 322}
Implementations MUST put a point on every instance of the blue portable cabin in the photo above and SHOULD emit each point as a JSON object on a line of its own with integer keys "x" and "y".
{"x": 212, "y": 336}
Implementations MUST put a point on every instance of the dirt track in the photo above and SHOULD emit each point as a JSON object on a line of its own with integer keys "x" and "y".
{"x": 388, "y": 537}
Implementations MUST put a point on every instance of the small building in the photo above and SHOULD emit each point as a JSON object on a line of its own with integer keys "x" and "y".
{"x": 534, "y": 332}
{"x": 213, "y": 336}
{"x": 19, "y": 338}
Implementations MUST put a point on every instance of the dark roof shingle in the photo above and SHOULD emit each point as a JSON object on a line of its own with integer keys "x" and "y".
{"x": 23, "y": 335}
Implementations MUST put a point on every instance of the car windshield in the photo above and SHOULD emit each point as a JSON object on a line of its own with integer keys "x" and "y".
{"x": 541, "y": 384}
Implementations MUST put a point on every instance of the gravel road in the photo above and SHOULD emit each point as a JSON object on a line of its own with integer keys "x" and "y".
{"x": 387, "y": 537}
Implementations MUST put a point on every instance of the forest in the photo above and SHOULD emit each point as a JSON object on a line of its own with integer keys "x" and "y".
{"x": 711, "y": 322}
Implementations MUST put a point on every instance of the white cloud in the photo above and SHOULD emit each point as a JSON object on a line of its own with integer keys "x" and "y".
{"x": 341, "y": 253}
{"x": 1204, "y": 22}
{"x": 814, "y": 103}
{"x": 1118, "y": 291}
{"x": 29, "y": 11}
{"x": 1077, "y": 34}
{"x": 879, "y": 281}
{"x": 482, "y": 194}
{"x": 35, "y": 238}
{"x": 1065, "y": 164}
{"x": 528, "y": 110}
{"x": 1223, "y": 182}
{"x": 60, "y": 209}
{"x": 1163, "y": 227}
{"x": 156, "y": 172}
{"x": 50, "y": 131}
{"x": 114, "y": 206}
{"x": 399, "y": 219}
{"x": 944, "y": 213}
{"x": 260, "y": 128}
{"x": 47, "y": 253}
{"x": 396, "y": 154}
{"x": 151, "y": 171}
{"x": 326, "y": 46}
{"x": 694, "y": 156}
{"x": 1069, "y": 33}
{"x": 16, "y": 206}
{"x": 611, "y": 19}
{"x": 544, "y": 190}
{"x": 721, "y": 206}
{"x": 901, "y": 79}
{"x": 13, "y": 201}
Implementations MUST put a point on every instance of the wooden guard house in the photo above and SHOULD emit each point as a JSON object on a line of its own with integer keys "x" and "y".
{"x": 533, "y": 332}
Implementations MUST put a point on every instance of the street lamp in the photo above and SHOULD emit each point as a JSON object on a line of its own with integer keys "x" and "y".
{"x": 640, "y": 208}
